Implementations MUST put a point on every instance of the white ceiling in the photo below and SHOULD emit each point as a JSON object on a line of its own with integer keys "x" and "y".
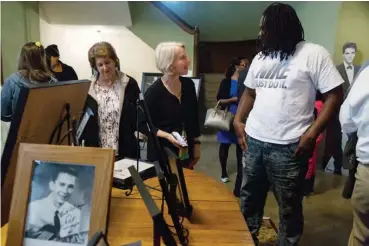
{"x": 86, "y": 13}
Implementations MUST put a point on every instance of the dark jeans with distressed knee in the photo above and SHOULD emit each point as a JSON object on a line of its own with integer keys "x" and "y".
{"x": 265, "y": 164}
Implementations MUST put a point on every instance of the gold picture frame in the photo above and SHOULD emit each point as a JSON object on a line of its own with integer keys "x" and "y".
{"x": 49, "y": 166}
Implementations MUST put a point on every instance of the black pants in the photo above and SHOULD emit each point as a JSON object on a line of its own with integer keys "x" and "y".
{"x": 223, "y": 157}
{"x": 338, "y": 159}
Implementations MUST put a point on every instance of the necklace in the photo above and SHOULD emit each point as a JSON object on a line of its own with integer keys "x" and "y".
{"x": 177, "y": 92}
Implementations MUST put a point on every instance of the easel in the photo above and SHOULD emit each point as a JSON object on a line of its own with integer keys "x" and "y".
{"x": 71, "y": 131}
{"x": 36, "y": 115}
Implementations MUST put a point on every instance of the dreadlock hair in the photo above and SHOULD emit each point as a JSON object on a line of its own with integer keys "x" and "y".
{"x": 281, "y": 31}
{"x": 232, "y": 66}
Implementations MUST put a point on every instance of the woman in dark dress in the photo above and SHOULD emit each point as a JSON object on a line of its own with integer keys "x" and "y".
{"x": 61, "y": 71}
{"x": 172, "y": 104}
{"x": 228, "y": 98}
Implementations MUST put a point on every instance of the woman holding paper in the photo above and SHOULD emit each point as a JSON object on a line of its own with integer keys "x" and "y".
{"x": 172, "y": 104}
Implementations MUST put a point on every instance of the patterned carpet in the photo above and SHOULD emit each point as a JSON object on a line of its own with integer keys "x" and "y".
{"x": 268, "y": 233}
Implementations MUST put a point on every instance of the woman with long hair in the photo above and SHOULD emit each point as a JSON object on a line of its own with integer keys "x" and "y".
{"x": 228, "y": 98}
{"x": 32, "y": 69}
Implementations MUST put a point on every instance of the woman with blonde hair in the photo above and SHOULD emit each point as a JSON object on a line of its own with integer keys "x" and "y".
{"x": 111, "y": 104}
{"x": 32, "y": 69}
{"x": 172, "y": 103}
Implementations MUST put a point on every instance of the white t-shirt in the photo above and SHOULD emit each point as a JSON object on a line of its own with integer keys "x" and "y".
{"x": 286, "y": 91}
{"x": 354, "y": 114}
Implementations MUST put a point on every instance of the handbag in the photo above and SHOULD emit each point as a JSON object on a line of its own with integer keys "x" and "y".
{"x": 218, "y": 119}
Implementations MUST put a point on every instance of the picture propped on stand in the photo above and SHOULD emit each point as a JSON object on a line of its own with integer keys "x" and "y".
{"x": 61, "y": 195}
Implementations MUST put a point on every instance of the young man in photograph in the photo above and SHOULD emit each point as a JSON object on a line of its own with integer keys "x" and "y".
{"x": 280, "y": 132}
{"x": 333, "y": 142}
{"x": 53, "y": 217}
{"x": 347, "y": 69}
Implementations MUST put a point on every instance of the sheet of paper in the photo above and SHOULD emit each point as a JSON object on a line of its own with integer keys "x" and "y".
{"x": 121, "y": 167}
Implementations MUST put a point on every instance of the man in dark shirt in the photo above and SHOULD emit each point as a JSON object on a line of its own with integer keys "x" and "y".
{"x": 62, "y": 71}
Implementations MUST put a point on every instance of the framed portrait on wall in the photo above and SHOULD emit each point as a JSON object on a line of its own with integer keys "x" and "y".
{"x": 61, "y": 195}
{"x": 149, "y": 78}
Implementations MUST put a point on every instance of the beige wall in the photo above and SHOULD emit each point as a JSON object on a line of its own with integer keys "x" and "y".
{"x": 74, "y": 42}
{"x": 19, "y": 24}
{"x": 320, "y": 21}
{"x": 152, "y": 26}
{"x": 134, "y": 45}
{"x": 353, "y": 26}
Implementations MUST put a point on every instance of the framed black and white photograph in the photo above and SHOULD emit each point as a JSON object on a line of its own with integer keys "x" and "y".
{"x": 61, "y": 195}
{"x": 197, "y": 83}
{"x": 148, "y": 79}
{"x": 59, "y": 206}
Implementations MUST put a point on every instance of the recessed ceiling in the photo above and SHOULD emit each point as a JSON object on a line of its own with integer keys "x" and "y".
{"x": 221, "y": 21}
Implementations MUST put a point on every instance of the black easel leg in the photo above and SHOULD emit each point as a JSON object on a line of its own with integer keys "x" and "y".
{"x": 156, "y": 235}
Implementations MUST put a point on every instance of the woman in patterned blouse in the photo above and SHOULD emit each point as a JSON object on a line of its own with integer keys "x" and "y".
{"x": 111, "y": 104}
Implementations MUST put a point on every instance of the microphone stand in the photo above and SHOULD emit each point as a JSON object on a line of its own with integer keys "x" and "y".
{"x": 166, "y": 179}
{"x": 130, "y": 189}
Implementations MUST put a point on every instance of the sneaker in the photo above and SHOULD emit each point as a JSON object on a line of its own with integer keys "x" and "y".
{"x": 225, "y": 179}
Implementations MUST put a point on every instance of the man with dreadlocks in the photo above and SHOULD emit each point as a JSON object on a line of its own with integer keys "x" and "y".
{"x": 280, "y": 130}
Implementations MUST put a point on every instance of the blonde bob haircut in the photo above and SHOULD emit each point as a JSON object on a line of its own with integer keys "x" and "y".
{"x": 165, "y": 54}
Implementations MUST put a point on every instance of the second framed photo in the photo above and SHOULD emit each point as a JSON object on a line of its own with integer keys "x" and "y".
{"x": 149, "y": 78}
{"x": 61, "y": 195}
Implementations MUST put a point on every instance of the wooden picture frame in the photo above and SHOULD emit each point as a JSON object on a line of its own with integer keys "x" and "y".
{"x": 101, "y": 160}
{"x": 149, "y": 78}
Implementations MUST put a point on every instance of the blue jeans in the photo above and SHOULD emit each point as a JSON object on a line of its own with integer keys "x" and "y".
{"x": 266, "y": 164}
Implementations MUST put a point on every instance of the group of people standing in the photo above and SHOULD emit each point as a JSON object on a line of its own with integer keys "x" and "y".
{"x": 113, "y": 96}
